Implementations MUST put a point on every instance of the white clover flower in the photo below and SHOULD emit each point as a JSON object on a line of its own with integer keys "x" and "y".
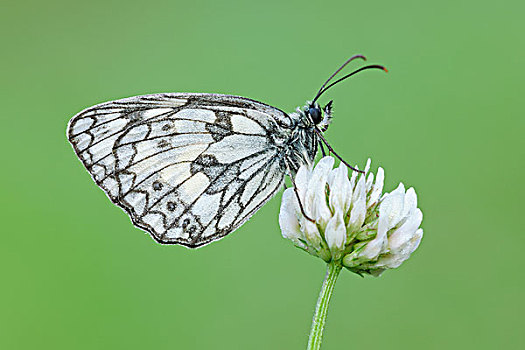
{"x": 355, "y": 224}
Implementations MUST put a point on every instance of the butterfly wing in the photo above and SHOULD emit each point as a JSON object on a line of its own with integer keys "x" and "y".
{"x": 187, "y": 168}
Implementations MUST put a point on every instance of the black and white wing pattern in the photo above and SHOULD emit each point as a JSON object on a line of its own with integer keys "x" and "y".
{"x": 187, "y": 168}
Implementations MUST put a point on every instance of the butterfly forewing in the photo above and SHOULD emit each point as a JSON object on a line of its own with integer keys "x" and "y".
{"x": 187, "y": 168}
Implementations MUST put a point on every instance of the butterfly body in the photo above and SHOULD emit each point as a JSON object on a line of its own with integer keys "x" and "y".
{"x": 191, "y": 168}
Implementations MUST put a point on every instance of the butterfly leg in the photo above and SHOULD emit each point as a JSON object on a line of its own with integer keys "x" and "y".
{"x": 322, "y": 149}
{"x": 319, "y": 133}
{"x": 299, "y": 201}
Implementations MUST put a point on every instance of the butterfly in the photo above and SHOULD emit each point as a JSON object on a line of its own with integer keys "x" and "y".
{"x": 190, "y": 168}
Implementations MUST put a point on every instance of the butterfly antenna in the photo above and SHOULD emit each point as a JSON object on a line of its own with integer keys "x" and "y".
{"x": 320, "y": 134}
{"x": 372, "y": 66}
{"x": 335, "y": 73}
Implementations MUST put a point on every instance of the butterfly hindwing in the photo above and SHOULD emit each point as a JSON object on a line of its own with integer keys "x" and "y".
{"x": 187, "y": 168}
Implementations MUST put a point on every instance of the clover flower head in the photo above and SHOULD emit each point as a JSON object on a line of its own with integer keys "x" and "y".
{"x": 354, "y": 223}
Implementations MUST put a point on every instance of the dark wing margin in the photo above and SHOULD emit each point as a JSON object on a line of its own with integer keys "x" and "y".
{"x": 187, "y": 168}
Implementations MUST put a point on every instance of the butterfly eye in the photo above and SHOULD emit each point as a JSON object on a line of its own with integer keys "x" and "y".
{"x": 315, "y": 114}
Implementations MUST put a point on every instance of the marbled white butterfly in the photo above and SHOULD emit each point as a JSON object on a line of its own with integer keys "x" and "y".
{"x": 190, "y": 168}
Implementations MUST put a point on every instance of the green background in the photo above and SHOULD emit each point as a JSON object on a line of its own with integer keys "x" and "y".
{"x": 448, "y": 119}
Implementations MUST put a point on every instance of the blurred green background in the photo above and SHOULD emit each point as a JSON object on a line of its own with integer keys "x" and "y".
{"x": 448, "y": 119}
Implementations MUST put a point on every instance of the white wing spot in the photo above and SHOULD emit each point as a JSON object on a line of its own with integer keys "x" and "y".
{"x": 155, "y": 220}
{"x": 193, "y": 187}
{"x": 98, "y": 172}
{"x": 124, "y": 155}
{"x": 251, "y": 187}
{"x": 235, "y": 147}
{"x": 82, "y": 141}
{"x": 176, "y": 102}
{"x": 229, "y": 215}
{"x": 137, "y": 201}
{"x": 81, "y": 125}
{"x": 135, "y": 134}
{"x": 188, "y": 126}
{"x": 245, "y": 125}
{"x": 151, "y": 113}
{"x": 207, "y": 207}
{"x": 176, "y": 233}
{"x": 126, "y": 180}
{"x": 175, "y": 174}
{"x": 203, "y": 115}
{"x": 210, "y": 230}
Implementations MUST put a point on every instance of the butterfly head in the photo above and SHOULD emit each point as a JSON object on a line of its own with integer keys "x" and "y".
{"x": 320, "y": 117}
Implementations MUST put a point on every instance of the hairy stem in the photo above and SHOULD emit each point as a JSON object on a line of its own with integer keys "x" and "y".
{"x": 321, "y": 310}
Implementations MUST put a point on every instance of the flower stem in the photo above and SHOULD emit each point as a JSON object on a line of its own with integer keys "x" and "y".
{"x": 321, "y": 310}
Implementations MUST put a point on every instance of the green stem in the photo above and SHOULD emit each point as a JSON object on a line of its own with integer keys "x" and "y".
{"x": 316, "y": 333}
